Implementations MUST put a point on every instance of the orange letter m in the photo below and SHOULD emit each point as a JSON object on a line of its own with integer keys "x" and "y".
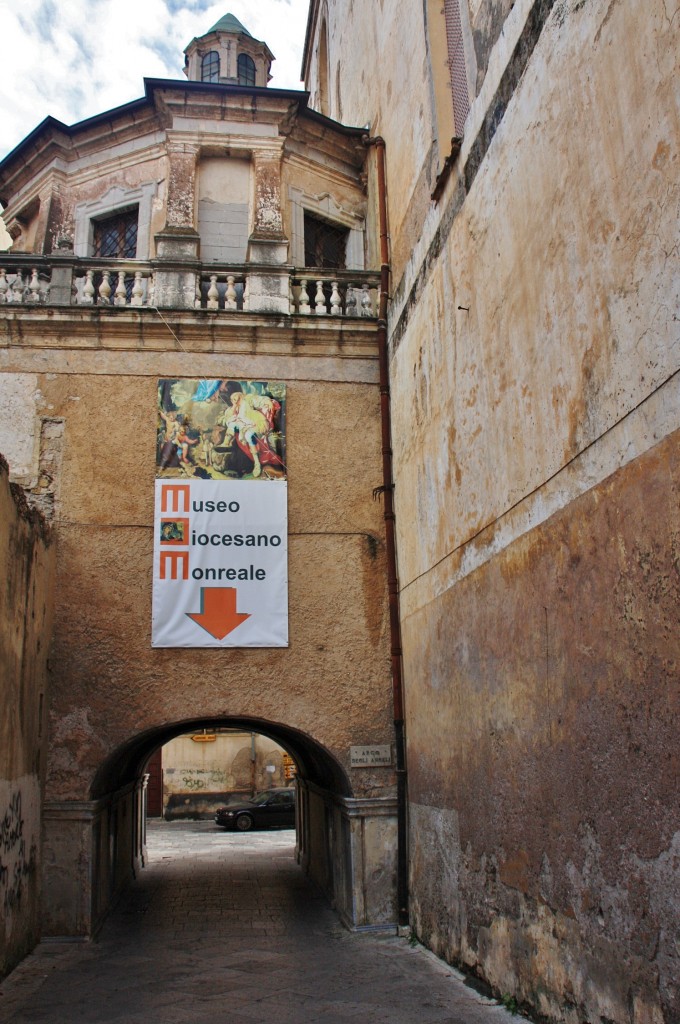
{"x": 171, "y": 494}
{"x": 179, "y": 565}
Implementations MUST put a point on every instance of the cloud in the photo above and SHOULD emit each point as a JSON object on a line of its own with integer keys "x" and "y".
{"x": 80, "y": 58}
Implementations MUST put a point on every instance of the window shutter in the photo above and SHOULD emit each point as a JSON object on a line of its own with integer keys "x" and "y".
{"x": 456, "y": 62}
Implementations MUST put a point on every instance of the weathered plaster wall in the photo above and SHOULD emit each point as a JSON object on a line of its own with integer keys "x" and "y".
{"x": 565, "y": 266}
{"x": 129, "y": 166}
{"x": 336, "y": 600}
{"x": 26, "y": 599}
{"x": 534, "y": 349}
{"x": 551, "y": 810}
{"x": 373, "y": 78}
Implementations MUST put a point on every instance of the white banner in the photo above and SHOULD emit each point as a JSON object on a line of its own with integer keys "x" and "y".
{"x": 220, "y": 564}
{"x": 220, "y": 574}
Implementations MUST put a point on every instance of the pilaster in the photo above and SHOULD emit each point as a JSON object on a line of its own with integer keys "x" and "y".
{"x": 176, "y": 262}
{"x": 268, "y": 290}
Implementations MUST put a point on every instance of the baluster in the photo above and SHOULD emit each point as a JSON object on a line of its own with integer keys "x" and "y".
{"x": 366, "y": 302}
{"x": 213, "y": 293}
{"x": 121, "y": 294}
{"x": 150, "y": 286}
{"x": 33, "y": 287}
{"x": 230, "y": 297}
{"x": 18, "y": 287}
{"x": 137, "y": 290}
{"x": 3, "y": 287}
{"x": 320, "y": 300}
{"x": 351, "y": 301}
{"x": 304, "y": 297}
{"x": 291, "y": 295}
{"x": 87, "y": 295}
{"x": 246, "y": 293}
{"x": 336, "y": 299}
{"x": 105, "y": 288}
{"x": 198, "y": 300}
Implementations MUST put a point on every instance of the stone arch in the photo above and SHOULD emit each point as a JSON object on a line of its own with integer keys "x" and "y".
{"x": 316, "y": 765}
{"x": 94, "y": 848}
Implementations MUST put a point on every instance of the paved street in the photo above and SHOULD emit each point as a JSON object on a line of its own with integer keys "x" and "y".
{"x": 224, "y": 928}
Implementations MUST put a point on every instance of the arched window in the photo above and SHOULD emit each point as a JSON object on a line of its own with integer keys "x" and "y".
{"x": 323, "y": 71}
{"x": 456, "y": 62}
{"x": 246, "y": 69}
{"x": 210, "y": 67}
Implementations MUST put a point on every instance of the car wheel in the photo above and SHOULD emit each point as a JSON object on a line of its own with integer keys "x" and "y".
{"x": 244, "y": 823}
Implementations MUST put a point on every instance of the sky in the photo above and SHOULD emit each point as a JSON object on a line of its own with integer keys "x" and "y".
{"x": 76, "y": 58}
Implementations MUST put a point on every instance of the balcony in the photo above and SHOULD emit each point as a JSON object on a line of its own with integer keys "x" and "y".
{"x": 62, "y": 281}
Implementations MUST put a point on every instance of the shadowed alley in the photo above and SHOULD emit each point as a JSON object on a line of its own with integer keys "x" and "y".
{"x": 224, "y": 927}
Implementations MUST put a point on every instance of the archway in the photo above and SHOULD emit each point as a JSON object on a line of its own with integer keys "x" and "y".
{"x": 316, "y": 765}
{"x": 345, "y": 844}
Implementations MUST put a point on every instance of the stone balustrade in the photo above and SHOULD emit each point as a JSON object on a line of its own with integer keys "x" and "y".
{"x": 227, "y": 291}
{"x": 334, "y": 293}
{"x": 65, "y": 281}
{"x": 20, "y": 286}
{"x": 118, "y": 286}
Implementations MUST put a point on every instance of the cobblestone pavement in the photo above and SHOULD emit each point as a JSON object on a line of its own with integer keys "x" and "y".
{"x": 224, "y": 927}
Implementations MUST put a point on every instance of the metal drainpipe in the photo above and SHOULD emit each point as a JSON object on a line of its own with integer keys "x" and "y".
{"x": 387, "y": 491}
{"x": 253, "y": 789}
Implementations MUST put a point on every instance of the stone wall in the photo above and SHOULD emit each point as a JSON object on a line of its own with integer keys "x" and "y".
{"x": 534, "y": 353}
{"x": 26, "y": 598}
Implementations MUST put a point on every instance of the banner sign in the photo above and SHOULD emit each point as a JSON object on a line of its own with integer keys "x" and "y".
{"x": 220, "y": 567}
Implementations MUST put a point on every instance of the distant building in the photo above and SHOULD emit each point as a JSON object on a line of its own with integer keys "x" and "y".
{"x": 193, "y": 775}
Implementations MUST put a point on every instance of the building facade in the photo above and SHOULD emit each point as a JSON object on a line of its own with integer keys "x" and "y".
{"x": 213, "y": 231}
{"x": 219, "y": 229}
{"x": 532, "y": 154}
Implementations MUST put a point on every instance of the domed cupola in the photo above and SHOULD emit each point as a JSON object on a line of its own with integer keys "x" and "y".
{"x": 228, "y": 55}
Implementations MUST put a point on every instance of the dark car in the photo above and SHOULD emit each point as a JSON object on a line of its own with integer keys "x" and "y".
{"x": 275, "y": 807}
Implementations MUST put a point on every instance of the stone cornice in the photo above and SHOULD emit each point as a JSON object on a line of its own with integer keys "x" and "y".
{"x": 187, "y": 331}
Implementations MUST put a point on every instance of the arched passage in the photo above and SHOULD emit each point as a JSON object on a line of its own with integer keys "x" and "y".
{"x": 345, "y": 844}
{"x": 316, "y": 765}
{"x": 120, "y": 847}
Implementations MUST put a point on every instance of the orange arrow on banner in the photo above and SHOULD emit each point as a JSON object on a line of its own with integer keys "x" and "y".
{"x": 218, "y": 615}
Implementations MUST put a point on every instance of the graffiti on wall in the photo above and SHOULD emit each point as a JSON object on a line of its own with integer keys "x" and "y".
{"x": 16, "y": 863}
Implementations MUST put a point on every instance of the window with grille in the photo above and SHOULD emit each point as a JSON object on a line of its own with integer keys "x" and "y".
{"x": 325, "y": 244}
{"x": 456, "y": 62}
{"x": 210, "y": 67}
{"x": 246, "y": 69}
{"x": 116, "y": 237}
